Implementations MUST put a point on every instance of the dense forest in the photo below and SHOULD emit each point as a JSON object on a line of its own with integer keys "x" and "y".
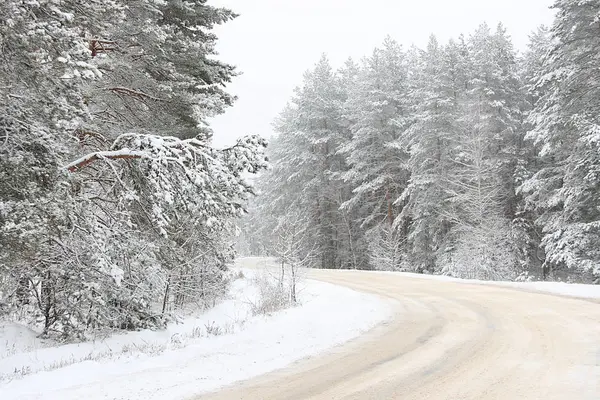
{"x": 465, "y": 158}
{"x": 114, "y": 208}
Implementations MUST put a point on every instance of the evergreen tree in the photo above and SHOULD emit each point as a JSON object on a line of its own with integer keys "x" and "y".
{"x": 418, "y": 160}
{"x": 432, "y": 142}
{"x": 564, "y": 190}
{"x": 482, "y": 185}
{"x": 159, "y": 71}
{"x": 98, "y": 224}
{"x": 378, "y": 109}
{"x": 307, "y": 168}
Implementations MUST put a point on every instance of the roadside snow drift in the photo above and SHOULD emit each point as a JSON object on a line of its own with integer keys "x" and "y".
{"x": 202, "y": 354}
{"x": 557, "y": 288}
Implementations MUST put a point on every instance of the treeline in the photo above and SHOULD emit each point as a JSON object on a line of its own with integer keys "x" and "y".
{"x": 465, "y": 158}
{"x": 114, "y": 208}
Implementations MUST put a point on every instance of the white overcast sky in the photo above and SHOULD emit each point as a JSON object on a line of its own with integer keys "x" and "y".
{"x": 273, "y": 42}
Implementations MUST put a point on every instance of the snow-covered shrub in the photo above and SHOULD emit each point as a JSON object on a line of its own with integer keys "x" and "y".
{"x": 272, "y": 297}
{"x": 274, "y": 293}
{"x": 525, "y": 277}
{"x": 485, "y": 253}
{"x": 386, "y": 249}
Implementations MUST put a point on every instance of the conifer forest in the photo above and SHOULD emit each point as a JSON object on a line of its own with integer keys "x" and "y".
{"x": 465, "y": 158}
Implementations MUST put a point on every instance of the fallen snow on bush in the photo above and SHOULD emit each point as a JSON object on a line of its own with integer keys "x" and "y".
{"x": 201, "y": 354}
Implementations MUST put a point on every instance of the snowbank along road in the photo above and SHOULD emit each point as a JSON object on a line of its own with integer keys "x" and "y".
{"x": 451, "y": 341}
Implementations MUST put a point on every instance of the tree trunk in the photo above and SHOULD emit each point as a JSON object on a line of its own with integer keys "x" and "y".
{"x": 390, "y": 213}
{"x": 166, "y": 295}
{"x": 282, "y": 277}
{"x": 293, "y": 286}
{"x": 46, "y": 292}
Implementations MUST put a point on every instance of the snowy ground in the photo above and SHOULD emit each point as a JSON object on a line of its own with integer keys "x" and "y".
{"x": 559, "y": 288}
{"x": 202, "y": 354}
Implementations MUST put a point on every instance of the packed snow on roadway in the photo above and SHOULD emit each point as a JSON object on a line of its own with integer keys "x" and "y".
{"x": 200, "y": 354}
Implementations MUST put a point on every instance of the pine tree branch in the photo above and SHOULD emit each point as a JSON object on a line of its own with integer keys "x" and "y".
{"x": 86, "y": 160}
{"x": 133, "y": 93}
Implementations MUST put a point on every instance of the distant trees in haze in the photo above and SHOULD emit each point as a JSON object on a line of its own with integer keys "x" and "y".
{"x": 464, "y": 158}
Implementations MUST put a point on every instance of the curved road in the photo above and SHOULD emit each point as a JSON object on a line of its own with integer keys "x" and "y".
{"x": 450, "y": 341}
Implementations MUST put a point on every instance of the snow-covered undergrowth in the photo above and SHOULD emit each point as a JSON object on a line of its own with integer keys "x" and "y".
{"x": 558, "y": 288}
{"x": 26, "y": 354}
{"x": 227, "y": 344}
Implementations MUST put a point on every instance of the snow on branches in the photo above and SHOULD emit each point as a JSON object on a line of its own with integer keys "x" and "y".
{"x": 172, "y": 175}
{"x": 130, "y": 228}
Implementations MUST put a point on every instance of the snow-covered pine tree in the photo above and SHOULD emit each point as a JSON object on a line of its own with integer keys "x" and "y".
{"x": 532, "y": 62}
{"x": 527, "y": 233}
{"x": 160, "y": 74}
{"x": 432, "y": 142}
{"x": 160, "y": 78}
{"x": 564, "y": 190}
{"x": 354, "y": 245}
{"x": 482, "y": 185}
{"x": 99, "y": 225}
{"x": 45, "y": 62}
{"x": 287, "y": 187}
{"x": 378, "y": 109}
{"x": 307, "y": 165}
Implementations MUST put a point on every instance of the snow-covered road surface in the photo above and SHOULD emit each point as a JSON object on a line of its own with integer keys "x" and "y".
{"x": 450, "y": 340}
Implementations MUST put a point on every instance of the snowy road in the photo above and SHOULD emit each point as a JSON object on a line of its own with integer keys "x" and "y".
{"x": 450, "y": 341}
